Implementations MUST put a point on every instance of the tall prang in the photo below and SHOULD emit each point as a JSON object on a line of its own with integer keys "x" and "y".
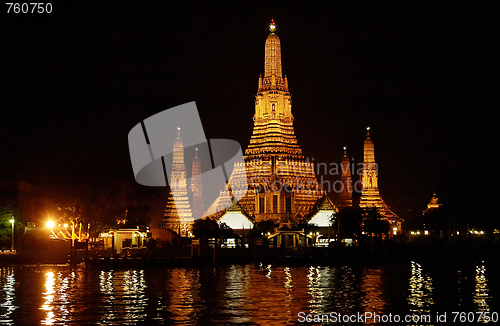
{"x": 281, "y": 182}
{"x": 345, "y": 178}
{"x": 178, "y": 216}
{"x": 197, "y": 187}
{"x": 370, "y": 196}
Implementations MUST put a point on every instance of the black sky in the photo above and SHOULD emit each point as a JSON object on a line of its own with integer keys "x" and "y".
{"x": 422, "y": 75}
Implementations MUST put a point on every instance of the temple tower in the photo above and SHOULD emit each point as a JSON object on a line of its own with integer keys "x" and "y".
{"x": 281, "y": 182}
{"x": 273, "y": 132}
{"x": 178, "y": 216}
{"x": 345, "y": 178}
{"x": 370, "y": 196}
{"x": 197, "y": 187}
{"x": 433, "y": 204}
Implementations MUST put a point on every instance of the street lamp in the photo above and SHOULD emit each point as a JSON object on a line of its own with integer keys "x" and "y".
{"x": 12, "y": 244}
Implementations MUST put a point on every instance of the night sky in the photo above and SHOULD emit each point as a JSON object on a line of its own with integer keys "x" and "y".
{"x": 422, "y": 75}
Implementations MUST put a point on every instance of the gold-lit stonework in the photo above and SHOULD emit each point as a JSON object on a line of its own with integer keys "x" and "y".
{"x": 178, "y": 216}
{"x": 433, "y": 204}
{"x": 197, "y": 187}
{"x": 345, "y": 178}
{"x": 370, "y": 196}
{"x": 280, "y": 180}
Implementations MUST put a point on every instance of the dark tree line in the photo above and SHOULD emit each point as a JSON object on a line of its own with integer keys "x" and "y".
{"x": 104, "y": 208}
{"x": 353, "y": 222}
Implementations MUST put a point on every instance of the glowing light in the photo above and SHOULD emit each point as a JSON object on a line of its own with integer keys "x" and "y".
{"x": 368, "y": 128}
{"x": 65, "y": 225}
{"x": 418, "y": 232}
{"x": 272, "y": 27}
{"x": 412, "y": 232}
{"x": 458, "y": 232}
{"x": 426, "y": 232}
{"x": 50, "y": 224}
{"x": 178, "y": 128}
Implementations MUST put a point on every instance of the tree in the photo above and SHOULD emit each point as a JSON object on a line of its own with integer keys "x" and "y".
{"x": 263, "y": 227}
{"x": 308, "y": 227}
{"x": 373, "y": 222}
{"x": 206, "y": 228}
{"x": 6, "y": 214}
{"x": 349, "y": 222}
{"x": 225, "y": 230}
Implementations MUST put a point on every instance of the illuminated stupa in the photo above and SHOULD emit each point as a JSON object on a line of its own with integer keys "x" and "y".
{"x": 178, "y": 216}
{"x": 345, "y": 178}
{"x": 370, "y": 196}
{"x": 197, "y": 187}
{"x": 281, "y": 182}
{"x": 433, "y": 204}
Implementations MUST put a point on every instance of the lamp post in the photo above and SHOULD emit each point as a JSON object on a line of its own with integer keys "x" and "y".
{"x": 12, "y": 244}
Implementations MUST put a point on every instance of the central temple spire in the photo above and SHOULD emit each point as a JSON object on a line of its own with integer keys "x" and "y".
{"x": 272, "y": 55}
{"x": 273, "y": 133}
{"x": 276, "y": 180}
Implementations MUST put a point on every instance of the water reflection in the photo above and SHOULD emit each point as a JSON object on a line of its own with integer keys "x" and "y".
{"x": 123, "y": 296}
{"x": 480, "y": 296}
{"x": 60, "y": 287}
{"x": 314, "y": 277}
{"x": 48, "y": 295}
{"x": 183, "y": 286}
{"x": 372, "y": 287}
{"x": 7, "y": 295}
{"x": 420, "y": 291}
{"x": 232, "y": 294}
{"x": 134, "y": 300}
{"x": 107, "y": 291}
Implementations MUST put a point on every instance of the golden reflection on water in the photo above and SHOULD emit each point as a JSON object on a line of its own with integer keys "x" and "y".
{"x": 123, "y": 296}
{"x": 107, "y": 290}
{"x": 183, "y": 286}
{"x": 372, "y": 282}
{"x": 236, "y": 283}
{"x": 288, "y": 284}
{"x": 134, "y": 299}
{"x": 275, "y": 295}
{"x": 269, "y": 295}
{"x": 7, "y": 282}
{"x": 314, "y": 290}
{"x": 59, "y": 290}
{"x": 480, "y": 295}
{"x": 420, "y": 291}
{"x": 48, "y": 296}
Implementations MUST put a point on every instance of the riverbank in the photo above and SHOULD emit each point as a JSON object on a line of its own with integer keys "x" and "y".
{"x": 312, "y": 256}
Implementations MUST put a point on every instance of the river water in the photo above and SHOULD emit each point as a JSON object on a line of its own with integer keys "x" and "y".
{"x": 251, "y": 294}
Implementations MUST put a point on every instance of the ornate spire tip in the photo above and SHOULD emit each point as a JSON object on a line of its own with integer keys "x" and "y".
{"x": 272, "y": 28}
